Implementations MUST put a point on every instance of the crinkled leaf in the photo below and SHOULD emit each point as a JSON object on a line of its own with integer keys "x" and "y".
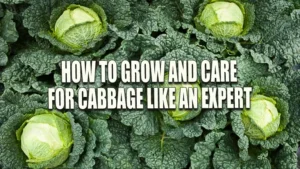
{"x": 11, "y": 154}
{"x": 227, "y": 157}
{"x": 43, "y": 62}
{"x": 12, "y": 103}
{"x": 201, "y": 159}
{"x": 286, "y": 157}
{"x": 8, "y": 28}
{"x": 121, "y": 155}
{"x": 160, "y": 151}
{"x": 100, "y": 129}
{"x": 78, "y": 144}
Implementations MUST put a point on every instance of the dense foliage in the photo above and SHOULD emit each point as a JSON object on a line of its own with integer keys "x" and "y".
{"x": 263, "y": 36}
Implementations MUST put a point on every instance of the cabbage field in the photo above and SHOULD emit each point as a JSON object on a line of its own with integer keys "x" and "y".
{"x": 261, "y": 36}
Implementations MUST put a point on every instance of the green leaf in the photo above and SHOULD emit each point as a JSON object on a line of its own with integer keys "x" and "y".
{"x": 160, "y": 151}
{"x": 3, "y": 59}
{"x": 286, "y": 157}
{"x": 3, "y": 52}
{"x": 118, "y": 12}
{"x": 144, "y": 122}
{"x": 87, "y": 160}
{"x": 11, "y": 2}
{"x": 11, "y": 154}
{"x": 227, "y": 156}
{"x": 3, "y": 46}
{"x": 12, "y": 103}
{"x": 20, "y": 81}
{"x": 8, "y": 28}
{"x": 201, "y": 159}
{"x": 43, "y": 62}
{"x": 272, "y": 87}
{"x": 145, "y": 16}
{"x": 79, "y": 142}
{"x": 249, "y": 70}
{"x": 32, "y": 16}
{"x": 103, "y": 136}
{"x": 189, "y": 10}
{"x": 280, "y": 38}
{"x": 121, "y": 155}
{"x": 292, "y": 80}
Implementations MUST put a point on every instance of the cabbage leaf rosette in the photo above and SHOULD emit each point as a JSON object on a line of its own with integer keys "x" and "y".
{"x": 79, "y": 26}
{"x": 225, "y": 18}
{"x": 34, "y": 137}
{"x": 253, "y": 134}
{"x": 266, "y": 121}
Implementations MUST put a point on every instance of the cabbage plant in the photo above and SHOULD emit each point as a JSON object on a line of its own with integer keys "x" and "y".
{"x": 226, "y": 19}
{"x": 182, "y": 115}
{"x": 263, "y": 119}
{"x": 79, "y": 27}
{"x": 33, "y": 137}
{"x": 46, "y": 139}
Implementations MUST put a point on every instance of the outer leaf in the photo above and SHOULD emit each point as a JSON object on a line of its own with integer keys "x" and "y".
{"x": 11, "y": 155}
{"x": 12, "y": 1}
{"x": 37, "y": 24}
{"x": 12, "y": 103}
{"x": 144, "y": 122}
{"x": 100, "y": 129}
{"x": 42, "y": 62}
{"x": 79, "y": 142}
{"x": 3, "y": 51}
{"x": 201, "y": 159}
{"x": 286, "y": 157}
{"x": 145, "y": 16}
{"x": 227, "y": 157}
{"x": 272, "y": 87}
{"x": 20, "y": 81}
{"x": 279, "y": 43}
{"x": 163, "y": 152}
{"x": 293, "y": 79}
{"x": 249, "y": 70}
{"x": 8, "y": 28}
{"x": 87, "y": 160}
{"x": 121, "y": 155}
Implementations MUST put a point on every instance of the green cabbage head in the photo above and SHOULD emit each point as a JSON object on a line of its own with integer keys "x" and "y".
{"x": 46, "y": 139}
{"x": 78, "y": 26}
{"x": 262, "y": 120}
{"x": 183, "y": 115}
{"x": 223, "y": 18}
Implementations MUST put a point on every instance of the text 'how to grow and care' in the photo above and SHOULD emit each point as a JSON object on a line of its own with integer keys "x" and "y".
{"x": 149, "y": 84}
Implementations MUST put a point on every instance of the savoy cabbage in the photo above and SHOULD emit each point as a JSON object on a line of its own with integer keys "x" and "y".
{"x": 262, "y": 36}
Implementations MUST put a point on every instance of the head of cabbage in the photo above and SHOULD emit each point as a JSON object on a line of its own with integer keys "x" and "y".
{"x": 183, "y": 114}
{"x": 225, "y": 19}
{"x": 78, "y": 26}
{"x": 46, "y": 139}
{"x": 262, "y": 120}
